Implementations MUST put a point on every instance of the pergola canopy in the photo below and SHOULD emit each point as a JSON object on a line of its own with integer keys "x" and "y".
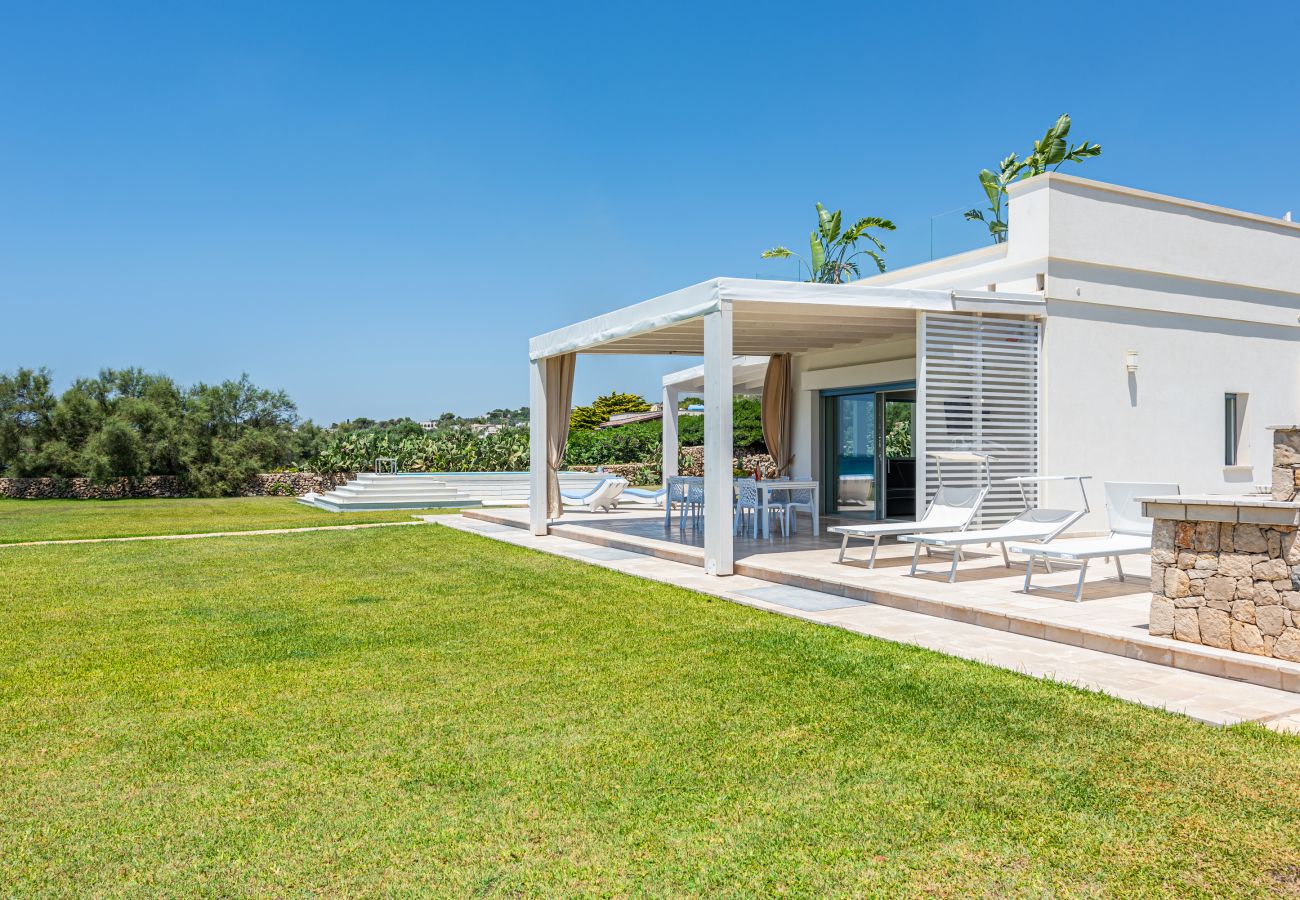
{"x": 770, "y": 317}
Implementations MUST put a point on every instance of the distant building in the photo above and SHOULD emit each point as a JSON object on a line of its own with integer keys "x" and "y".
{"x": 429, "y": 425}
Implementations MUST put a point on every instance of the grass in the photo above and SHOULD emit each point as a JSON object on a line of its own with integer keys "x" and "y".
{"x": 52, "y": 520}
{"x": 413, "y": 711}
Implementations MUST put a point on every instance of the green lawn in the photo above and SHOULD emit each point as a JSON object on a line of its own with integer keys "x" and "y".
{"x": 50, "y": 520}
{"x": 416, "y": 710}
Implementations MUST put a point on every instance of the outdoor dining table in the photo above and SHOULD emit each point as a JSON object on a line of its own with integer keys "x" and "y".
{"x": 677, "y": 486}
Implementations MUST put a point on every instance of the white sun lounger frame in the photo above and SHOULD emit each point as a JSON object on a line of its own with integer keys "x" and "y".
{"x": 959, "y": 520}
{"x": 1129, "y": 534}
{"x": 1007, "y": 531}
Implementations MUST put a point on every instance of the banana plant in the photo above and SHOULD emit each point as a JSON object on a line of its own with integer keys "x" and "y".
{"x": 1050, "y": 153}
{"x": 833, "y": 253}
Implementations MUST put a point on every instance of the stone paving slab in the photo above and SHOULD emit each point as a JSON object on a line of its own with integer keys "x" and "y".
{"x": 1207, "y": 698}
{"x": 798, "y": 598}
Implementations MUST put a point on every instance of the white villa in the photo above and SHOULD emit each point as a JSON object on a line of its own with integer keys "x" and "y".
{"x": 1118, "y": 334}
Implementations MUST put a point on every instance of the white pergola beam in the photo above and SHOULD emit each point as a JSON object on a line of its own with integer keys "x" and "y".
{"x": 755, "y": 295}
{"x": 719, "y": 490}
{"x": 747, "y": 346}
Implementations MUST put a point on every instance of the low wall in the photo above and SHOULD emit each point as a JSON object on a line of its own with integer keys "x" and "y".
{"x": 287, "y": 484}
{"x": 635, "y": 473}
{"x": 293, "y": 483}
{"x": 86, "y": 489}
{"x": 692, "y": 462}
{"x": 1231, "y": 584}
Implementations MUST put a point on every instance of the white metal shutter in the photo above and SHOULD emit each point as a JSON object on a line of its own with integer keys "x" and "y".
{"x": 978, "y": 389}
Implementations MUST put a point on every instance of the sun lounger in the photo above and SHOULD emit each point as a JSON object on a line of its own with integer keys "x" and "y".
{"x": 641, "y": 495}
{"x": 952, "y": 509}
{"x": 1130, "y": 533}
{"x": 1032, "y": 524}
{"x": 603, "y": 496}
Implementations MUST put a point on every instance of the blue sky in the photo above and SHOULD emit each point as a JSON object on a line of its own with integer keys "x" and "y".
{"x": 373, "y": 206}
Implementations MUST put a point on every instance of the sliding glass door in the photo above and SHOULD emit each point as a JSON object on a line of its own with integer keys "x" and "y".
{"x": 855, "y": 455}
{"x": 868, "y": 470}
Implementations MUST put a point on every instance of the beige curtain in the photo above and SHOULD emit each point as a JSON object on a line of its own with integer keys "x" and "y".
{"x": 559, "y": 397}
{"x": 778, "y": 411}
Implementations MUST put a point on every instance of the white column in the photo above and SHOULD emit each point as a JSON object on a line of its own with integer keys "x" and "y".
{"x": 719, "y": 553}
{"x": 537, "y": 446}
{"x": 671, "y": 399}
{"x": 921, "y": 422}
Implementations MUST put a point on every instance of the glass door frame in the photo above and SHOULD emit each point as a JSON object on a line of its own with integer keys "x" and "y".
{"x": 828, "y": 398}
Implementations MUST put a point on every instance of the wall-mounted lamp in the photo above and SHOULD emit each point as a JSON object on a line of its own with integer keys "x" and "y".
{"x": 1131, "y": 360}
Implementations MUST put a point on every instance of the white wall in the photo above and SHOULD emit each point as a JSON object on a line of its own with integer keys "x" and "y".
{"x": 1209, "y": 299}
{"x": 875, "y": 363}
{"x": 1166, "y": 421}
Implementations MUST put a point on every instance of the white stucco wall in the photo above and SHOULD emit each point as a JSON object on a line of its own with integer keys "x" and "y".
{"x": 1209, "y": 298}
{"x": 1166, "y": 421}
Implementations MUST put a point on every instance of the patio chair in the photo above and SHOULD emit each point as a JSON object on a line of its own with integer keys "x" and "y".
{"x": 952, "y": 509}
{"x": 796, "y": 499}
{"x": 603, "y": 496}
{"x": 1032, "y": 524}
{"x": 692, "y": 506}
{"x": 1130, "y": 534}
{"x": 750, "y": 499}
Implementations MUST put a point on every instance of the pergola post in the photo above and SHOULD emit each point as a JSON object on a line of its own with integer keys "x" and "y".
{"x": 537, "y": 445}
{"x": 719, "y": 490}
{"x": 670, "y": 439}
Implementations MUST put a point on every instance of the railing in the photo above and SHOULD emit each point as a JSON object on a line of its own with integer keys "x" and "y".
{"x": 947, "y": 234}
{"x": 386, "y": 465}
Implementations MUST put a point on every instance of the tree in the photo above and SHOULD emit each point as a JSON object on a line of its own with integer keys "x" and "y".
{"x": 586, "y": 418}
{"x": 834, "y": 252}
{"x": 116, "y": 450}
{"x": 1049, "y": 154}
{"x": 746, "y": 426}
{"x": 232, "y": 431}
{"x": 26, "y": 407}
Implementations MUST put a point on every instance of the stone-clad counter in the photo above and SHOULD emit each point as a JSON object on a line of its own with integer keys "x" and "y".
{"x": 1225, "y": 572}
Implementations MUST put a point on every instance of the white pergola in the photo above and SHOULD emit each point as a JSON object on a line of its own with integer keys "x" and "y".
{"x": 747, "y": 374}
{"x": 719, "y": 319}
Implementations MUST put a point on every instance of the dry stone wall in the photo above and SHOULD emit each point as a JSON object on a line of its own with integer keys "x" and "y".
{"x": 1286, "y": 462}
{"x": 691, "y": 462}
{"x": 1227, "y": 584}
{"x": 288, "y": 484}
{"x": 635, "y": 473}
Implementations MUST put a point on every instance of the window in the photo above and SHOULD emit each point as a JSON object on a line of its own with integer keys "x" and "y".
{"x": 1234, "y": 409}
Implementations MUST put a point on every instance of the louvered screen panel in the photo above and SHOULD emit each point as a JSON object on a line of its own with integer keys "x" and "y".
{"x": 978, "y": 390}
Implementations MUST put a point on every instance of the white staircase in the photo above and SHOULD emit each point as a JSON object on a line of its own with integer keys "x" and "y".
{"x": 455, "y": 490}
